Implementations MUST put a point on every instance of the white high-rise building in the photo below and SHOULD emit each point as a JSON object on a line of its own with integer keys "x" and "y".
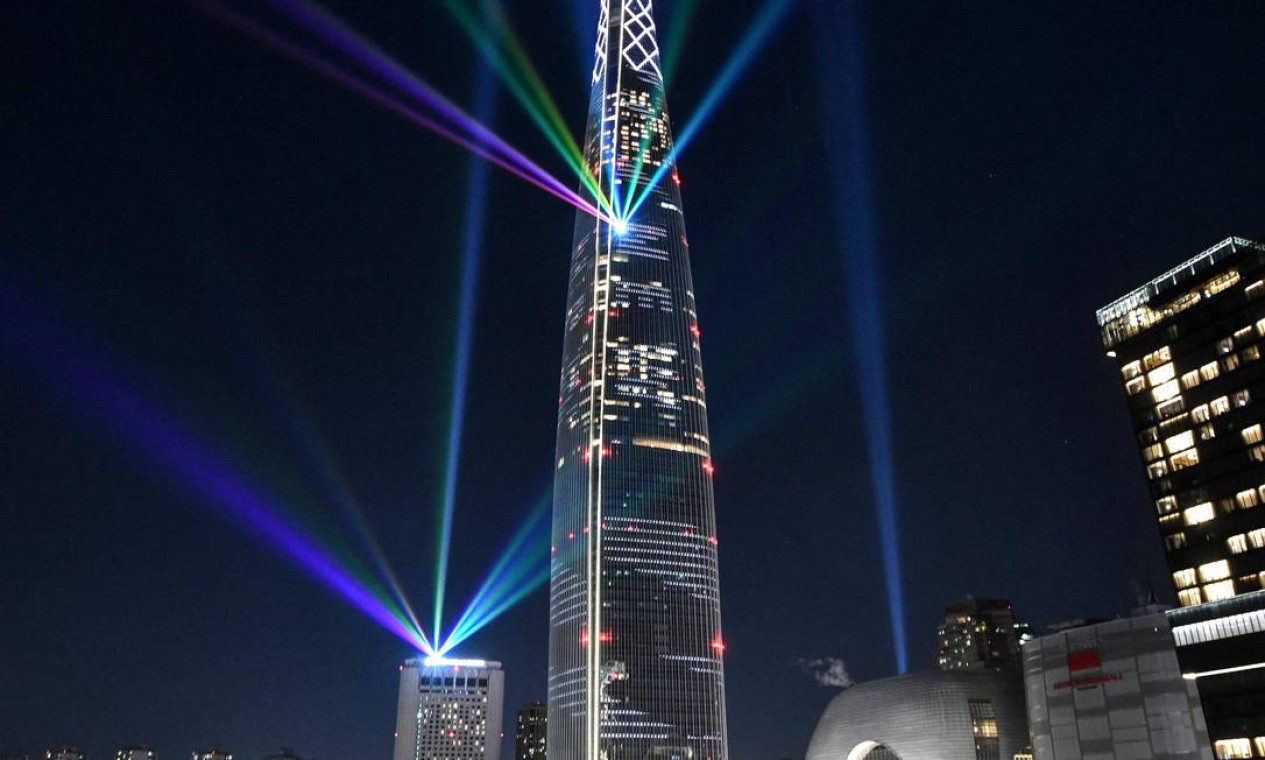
{"x": 449, "y": 710}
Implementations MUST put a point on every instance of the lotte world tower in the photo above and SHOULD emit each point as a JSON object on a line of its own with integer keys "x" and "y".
{"x": 635, "y": 648}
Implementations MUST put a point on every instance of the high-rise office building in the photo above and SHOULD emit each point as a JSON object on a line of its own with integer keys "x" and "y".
{"x": 980, "y": 634}
{"x": 449, "y": 710}
{"x": 65, "y": 752}
{"x": 530, "y": 733}
{"x": 136, "y": 752}
{"x": 635, "y": 644}
{"x": 212, "y": 753}
{"x": 1188, "y": 346}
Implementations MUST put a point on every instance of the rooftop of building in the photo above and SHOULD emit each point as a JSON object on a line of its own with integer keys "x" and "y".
{"x": 1174, "y": 277}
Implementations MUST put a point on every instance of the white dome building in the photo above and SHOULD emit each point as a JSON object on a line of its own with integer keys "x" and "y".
{"x": 938, "y": 715}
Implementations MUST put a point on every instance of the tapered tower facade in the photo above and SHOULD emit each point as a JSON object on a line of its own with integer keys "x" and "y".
{"x": 635, "y": 662}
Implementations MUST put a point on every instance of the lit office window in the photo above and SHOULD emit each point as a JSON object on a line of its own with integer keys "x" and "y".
{"x": 1219, "y": 406}
{"x": 1190, "y": 379}
{"x": 1153, "y": 452}
{"x": 1242, "y": 398}
{"x": 1189, "y": 596}
{"x": 1166, "y": 505}
{"x": 1158, "y": 357}
{"x": 1251, "y": 434}
{"x": 1214, "y": 571}
{"x": 1200, "y": 513}
{"x": 1131, "y": 370}
{"x": 1161, "y": 374}
{"x": 1209, "y": 371}
{"x": 1156, "y": 470}
{"x": 1233, "y": 749}
{"x": 1186, "y": 440}
{"x": 1236, "y": 544}
{"x": 1247, "y": 499}
{"x": 1256, "y": 538}
{"x": 1215, "y": 592}
{"x": 1181, "y": 461}
{"x": 1184, "y": 578}
{"x": 1165, "y": 392}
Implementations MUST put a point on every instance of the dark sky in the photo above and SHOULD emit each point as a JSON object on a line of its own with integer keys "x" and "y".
{"x": 200, "y": 210}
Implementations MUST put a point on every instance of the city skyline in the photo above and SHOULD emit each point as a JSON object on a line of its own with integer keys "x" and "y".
{"x": 243, "y": 240}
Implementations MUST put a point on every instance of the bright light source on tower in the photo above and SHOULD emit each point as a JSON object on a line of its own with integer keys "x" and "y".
{"x": 620, "y": 226}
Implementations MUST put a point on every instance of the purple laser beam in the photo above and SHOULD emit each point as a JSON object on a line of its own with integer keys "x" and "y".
{"x": 58, "y": 355}
{"x": 487, "y": 145}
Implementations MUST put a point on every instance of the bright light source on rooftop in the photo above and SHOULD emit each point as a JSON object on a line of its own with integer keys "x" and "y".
{"x": 433, "y": 661}
{"x": 620, "y": 226}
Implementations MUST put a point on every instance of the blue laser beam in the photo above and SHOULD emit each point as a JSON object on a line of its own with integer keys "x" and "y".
{"x": 758, "y": 33}
{"x": 471, "y": 261}
{"x": 840, "y": 55}
{"x": 515, "y": 574}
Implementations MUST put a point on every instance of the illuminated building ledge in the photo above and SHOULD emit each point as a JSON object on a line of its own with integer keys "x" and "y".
{"x": 1173, "y": 277}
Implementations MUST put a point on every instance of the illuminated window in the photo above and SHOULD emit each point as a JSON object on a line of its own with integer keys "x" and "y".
{"x": 1190, "y": 379}
{"x": 1135, "y": 386}
{"x": 1200, "y": 413}
{"x": 1131, "y": 370}
{"x": 1174, "y": 542}
{"x": 1219, "y": 406}
{"x": 1166, "y": 505}
{"x": 1148, "y": 436}
{"x": 1184, "y": 578}
{"x": 1260, "y": 327}
{"x": 1242, "y": 334}
{"x": 1222, "y": 281}
{"x": 1159, "y": 356}
{"x": 1161, "y": 374}
{"x": 1230, "y": 363}
{"x": 1156, "y": 470}
{"x": 1242, "y": 398}
{"x": 1225, "y": 345}
{"x": 1257, "y": 453}
{"x": 1166, "y": 391}
{"x": 1153, "y": 452}
{"x": 1209, "y": 371}
{"x": 1233, "y": 749}
{"x": 1236, "y": 544}
{"x": 1188, "y": 458}
{"x": 1256, "y": 538}
{"x": 1260, "y": 740}
{"x": 1253, "y": 291}
{"x": 1251, "y": 434}
{"x": 1215, "y": 592}
{"x": 1206, "y": 432}
{"x": 1214, "y": 571}
{"x": 1182, "y": 441}
{"x": 1187, "y": 597}
{"x": 1170, "y": 408}
{"x": 1247, "y": 499}
{"x": 1250, "y": 354}
{"x": 1200, "y": 513}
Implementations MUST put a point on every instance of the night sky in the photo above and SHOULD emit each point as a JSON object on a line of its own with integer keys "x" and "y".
{"x": 239, "y": 238}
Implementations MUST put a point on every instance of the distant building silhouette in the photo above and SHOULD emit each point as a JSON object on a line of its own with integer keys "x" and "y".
{"x": 65, "y": 752}
{"x": 136, "y": 752}
{"x": 212, "y": 753}
{"x": 285, "y": 753}
{"x": 980, "y": 634}
{"x": 530, "y": 740}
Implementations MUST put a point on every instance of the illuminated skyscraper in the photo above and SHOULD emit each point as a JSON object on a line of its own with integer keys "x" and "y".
{"x": 635, "y": 640}
{"x": 1188, "y": 346}
{"x": 136, "y": 752}
{"x": 449, "y": 710}
{"x": 980, "y": 634}
{"x": 531, "y": 732}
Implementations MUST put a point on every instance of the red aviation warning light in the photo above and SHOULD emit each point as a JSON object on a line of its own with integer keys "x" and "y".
{"x": 718, "y": 646}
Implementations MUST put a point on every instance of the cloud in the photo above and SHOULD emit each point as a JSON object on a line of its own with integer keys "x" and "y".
{"x": 827, "y": 671}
